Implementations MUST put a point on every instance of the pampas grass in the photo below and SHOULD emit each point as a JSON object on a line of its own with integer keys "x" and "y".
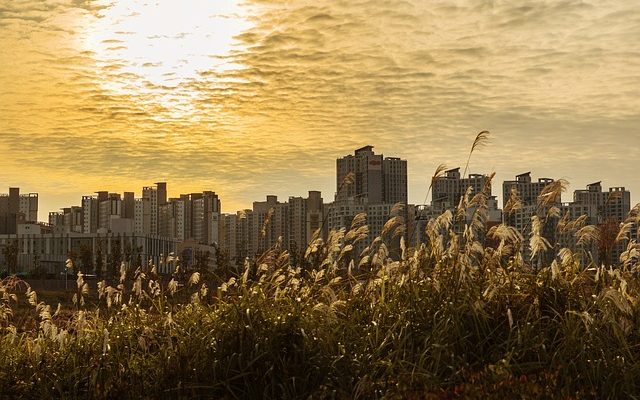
{"x": 463, "y": 315}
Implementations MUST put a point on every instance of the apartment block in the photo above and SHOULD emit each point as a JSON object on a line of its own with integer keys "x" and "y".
{"x": 90, "y": 208}
{"x": 528, "y": 191}
{"x": 376, "y": 179}
{"x": 252, "y": 231}
{"x": 109, "y": 209}
{"x": 305, "y": 218}
{"x": 16, "y": 209}
{"x": 50, "y": 250}
{"x": 142, "y": 216}
{"x": 29, "y": 206}
{"x": 449, "y": 188}
{"x": 228, "y": 236}
{"x": 607, "y": 209}
{"x": 613, "y": 205}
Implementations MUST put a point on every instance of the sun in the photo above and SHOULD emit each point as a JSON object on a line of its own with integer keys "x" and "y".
{"x": 153, "y": 49}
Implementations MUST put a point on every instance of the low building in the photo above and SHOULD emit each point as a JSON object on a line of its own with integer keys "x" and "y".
{"x": 49, "y": 251}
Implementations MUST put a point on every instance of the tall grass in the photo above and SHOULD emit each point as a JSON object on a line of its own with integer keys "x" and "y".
{"x": 453, "y": 317}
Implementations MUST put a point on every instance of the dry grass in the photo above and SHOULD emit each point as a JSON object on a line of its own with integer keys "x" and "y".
{"x": 450, "y": 318}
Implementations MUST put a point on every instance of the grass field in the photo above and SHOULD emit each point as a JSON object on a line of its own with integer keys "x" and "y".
{"x": 463, "y": 315}
{"x": 450, "y": 319}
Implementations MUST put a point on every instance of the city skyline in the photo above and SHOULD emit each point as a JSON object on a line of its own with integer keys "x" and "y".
{"x": 371, "y": 190}
{"x": 260, "y": 97}
{"x": 341, "y": 167}
{"x": 284, "y": 193}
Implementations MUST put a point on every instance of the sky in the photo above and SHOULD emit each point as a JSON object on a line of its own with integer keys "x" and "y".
{"x": 261, "y": 96}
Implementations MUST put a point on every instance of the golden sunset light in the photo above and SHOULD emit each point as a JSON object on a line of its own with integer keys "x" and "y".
{"x": 319, "y": 199}
{"x": 240, "y": 97}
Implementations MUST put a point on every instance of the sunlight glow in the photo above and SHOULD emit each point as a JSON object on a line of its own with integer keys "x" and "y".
{"x": 151, "y": 50}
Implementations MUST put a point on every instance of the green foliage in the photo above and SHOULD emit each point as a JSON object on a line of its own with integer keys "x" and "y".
{"x": 10, "y": 253}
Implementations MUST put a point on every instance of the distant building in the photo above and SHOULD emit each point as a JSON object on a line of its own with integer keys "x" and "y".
{"x": 90, "y": 207}
{"x": 194, "y": 216}
{"x": 378, "y": 184}
{"x": 70, "y": 219}
{"x": 527, "y": 190}
{"x": 449, "y": 188}
{"x": 228, "y": 236}
{"x": 16, "y": 208}
{"x": 29, "y": 206}
{"x": 49, "y": 251}
{"x": 252, "y": 231}
{"x": 305, "y": 218}
{"x": 142, "y": 216}
{"x": 377, "y": 179}
{"x": 109, "y": 208}
{"x": 606, "y": 209}
{"x": 156, "y": 197}
{"x": 267, "y": 223}
{"x": 614, "y": 204}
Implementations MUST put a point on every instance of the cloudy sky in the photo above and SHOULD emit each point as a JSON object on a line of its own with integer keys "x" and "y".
{"x": 262, "y": 96}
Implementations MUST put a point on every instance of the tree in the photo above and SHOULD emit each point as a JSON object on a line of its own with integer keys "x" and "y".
{"x": 86, "y": 258}
{"x": 114, "y": 258}
{"x": 136, "y": 257}
{"x": 607, "y": 233}
{"x": 99, "y": 261}
{"x": 10, "y": 252}
{"x": 37, "y": 270}
{"x": 73, "y": 256}
{"x": 201, "y": 262}
{"x": 128, "y": 257}
{"x": 186, "y": 257}
{"x": 221, "y": 257}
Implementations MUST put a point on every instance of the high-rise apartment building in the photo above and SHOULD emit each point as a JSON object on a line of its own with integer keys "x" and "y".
{"x": 228, "y": 235}
{"x": 378, "y": 184}
{"x": 157, "y": 197}
{"x": 172, "y": 218}
{"x": 16, "y": 209}
{"x": 142, "y": 216}
{"x": 251, "y": 232}
{"x": 267, "y": 223}
{"x": 205, "y": 217}
{"x": 528, "y": 193}
{"x": 449, "y": 188}
{"x": 376, "y": 179}
{"x": 90, "y": 212}
{"x": 29, "y": 206}
{"x": 394, "y": 180}
{"x": 150, "y": 194}
{"x": 521, "y": 218}
{"x": 305, "y": 218}
{"x": 613, "y": 205}
{"x": 608, "y": 210}
{"x": 9, "y": 208}
{"x": 109, "y": 209}
{"x": 128, "y": 205}
{"x": 193, "y": 216}
{"x": 68, "y": 220}
{"x": 527, "y": 190}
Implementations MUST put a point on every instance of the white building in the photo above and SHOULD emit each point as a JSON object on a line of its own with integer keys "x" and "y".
{"x": 375, "y": 178}
{"x": 50, "y": 250}
{"x": 29, "y": 206}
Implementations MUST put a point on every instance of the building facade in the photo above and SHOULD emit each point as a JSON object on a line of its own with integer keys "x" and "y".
{"x": 376, "y": 179}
